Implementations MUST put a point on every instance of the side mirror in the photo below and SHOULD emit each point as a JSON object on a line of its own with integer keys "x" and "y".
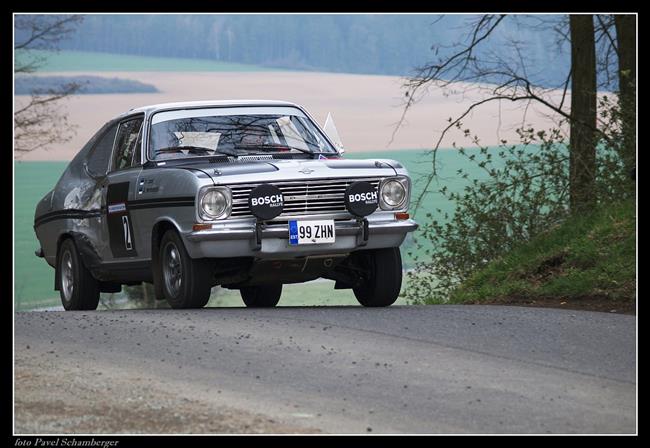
{"x": 333, "y": 134}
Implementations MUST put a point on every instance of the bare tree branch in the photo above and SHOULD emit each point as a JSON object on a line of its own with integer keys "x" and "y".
{"x": 45, "y": 31}
{"x": 565, "y": 89}
{"x": 607, "y": 51}
{"x": 452, "y": 123}
{"x": 41, "y": 120}
{"x": 453, "y": 65}
{"x": 604, "y": 28}
{"x": 497, "y": 77}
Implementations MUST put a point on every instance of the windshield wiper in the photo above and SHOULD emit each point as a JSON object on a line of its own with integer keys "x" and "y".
{"x": 205, "y": 151}
{"x": 264, "y": 146}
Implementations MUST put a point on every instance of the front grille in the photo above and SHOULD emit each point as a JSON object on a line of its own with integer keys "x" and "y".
{"x": 312, "y": 197}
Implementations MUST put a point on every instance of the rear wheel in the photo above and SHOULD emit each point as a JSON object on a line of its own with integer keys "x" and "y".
{"x": 261, "y": 296}
{"x": 185, "y": 281}
{"x": 79, "y": 290}
{"x": 383, "y": 281}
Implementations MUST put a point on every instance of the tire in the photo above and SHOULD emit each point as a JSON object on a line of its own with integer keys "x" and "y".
{"x": 382, "y": 285}
{"x": 261, "y": 296}
{"x": 185, "y": 281}
{"x": 78, "y": 289}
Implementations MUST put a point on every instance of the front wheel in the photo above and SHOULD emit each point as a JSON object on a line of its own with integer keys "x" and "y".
{"x": 261, "y": 296}
{"x": 383, "y": 277}
{"x": 78, "y": 288}
{"x": 185, "y": 281}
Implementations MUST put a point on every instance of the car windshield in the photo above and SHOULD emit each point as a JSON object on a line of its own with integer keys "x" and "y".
{"x": 233, "y": 131}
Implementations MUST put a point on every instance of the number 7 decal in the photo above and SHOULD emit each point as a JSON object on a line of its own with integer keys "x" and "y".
{"x": 127, "y": 233}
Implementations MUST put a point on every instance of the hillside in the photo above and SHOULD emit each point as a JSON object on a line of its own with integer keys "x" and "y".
{"x": 588, "y": 262}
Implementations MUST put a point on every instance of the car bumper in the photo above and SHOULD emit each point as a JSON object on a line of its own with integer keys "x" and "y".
{"x": 224, "y": 240}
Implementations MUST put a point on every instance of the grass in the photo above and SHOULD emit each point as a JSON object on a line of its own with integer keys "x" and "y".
{"x": 78, "y": 61}
{"x": 317, "y": 293}
{"x": 586, "y": 257}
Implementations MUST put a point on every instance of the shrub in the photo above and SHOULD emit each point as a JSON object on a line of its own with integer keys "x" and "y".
{"x": 525, "y": 193}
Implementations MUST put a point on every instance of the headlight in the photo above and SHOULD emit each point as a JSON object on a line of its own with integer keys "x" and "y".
{"x": 215, "y": 203}
{"x": 394, "y": 193}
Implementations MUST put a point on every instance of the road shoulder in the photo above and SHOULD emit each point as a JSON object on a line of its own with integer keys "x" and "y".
{"x": 52, "y": 398}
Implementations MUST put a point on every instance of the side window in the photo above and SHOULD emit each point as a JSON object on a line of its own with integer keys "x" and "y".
{"x": 100, "y": 154}
{"x": 126, "y": 143}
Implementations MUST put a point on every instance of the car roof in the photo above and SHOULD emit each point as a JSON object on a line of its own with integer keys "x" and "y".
{"x": 216, "y": 103}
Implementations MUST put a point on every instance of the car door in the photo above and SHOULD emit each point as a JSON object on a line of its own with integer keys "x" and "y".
{"x": 119, "y": 189}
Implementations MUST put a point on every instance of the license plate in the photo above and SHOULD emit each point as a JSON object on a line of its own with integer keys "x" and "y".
{"x": 311, "y": 232}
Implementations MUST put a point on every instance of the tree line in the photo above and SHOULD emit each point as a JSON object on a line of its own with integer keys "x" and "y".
{"x": 373, "y": 44}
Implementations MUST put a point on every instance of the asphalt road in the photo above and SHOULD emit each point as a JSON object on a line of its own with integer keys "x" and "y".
{"x": 412, "y": 369}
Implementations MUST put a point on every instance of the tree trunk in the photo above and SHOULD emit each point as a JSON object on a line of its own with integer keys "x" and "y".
{"x": 626, "y": 42}
{"x": 582, "y": 141}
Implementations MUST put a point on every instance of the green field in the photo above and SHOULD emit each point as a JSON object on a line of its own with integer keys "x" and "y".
{"x": 316, "y": 293}
{"x": 78, "y": 61}
{"x": 34, "y": 279}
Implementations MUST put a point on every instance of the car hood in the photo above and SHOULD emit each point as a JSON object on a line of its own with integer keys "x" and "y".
{"x": 270, "y": 170}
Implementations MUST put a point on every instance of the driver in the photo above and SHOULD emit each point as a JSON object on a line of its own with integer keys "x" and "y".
{"x": 254, "y": 136}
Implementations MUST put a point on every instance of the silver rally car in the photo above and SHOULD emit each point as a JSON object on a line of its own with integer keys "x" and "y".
{"x": 249, "y": 195}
